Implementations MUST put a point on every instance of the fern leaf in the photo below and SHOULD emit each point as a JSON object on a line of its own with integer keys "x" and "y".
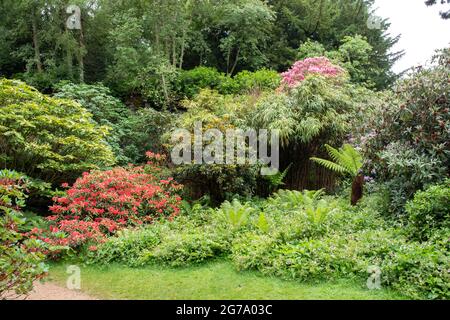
{"x": 330, "y": 165}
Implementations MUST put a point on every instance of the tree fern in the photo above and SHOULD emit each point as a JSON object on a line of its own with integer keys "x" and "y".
{"x": 345, "y": 160}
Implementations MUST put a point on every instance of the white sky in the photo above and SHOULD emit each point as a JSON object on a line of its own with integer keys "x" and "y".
{"x": 421, "y": 27}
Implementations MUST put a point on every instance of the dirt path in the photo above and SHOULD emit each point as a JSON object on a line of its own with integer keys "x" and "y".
{"x": 52, "y": 291}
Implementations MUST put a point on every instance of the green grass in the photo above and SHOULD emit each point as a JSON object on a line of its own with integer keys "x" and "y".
{"x": 216, "y": 280}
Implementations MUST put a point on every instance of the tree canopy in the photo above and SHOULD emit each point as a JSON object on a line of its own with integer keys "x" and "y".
{"x": 139, "y": 47}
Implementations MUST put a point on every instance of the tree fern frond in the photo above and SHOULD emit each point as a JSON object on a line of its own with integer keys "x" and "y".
{"x": 345, "y": 160}
{"x": 355, "y": 158}
{"x": 334, "y": 154}
{"x": 330, "y": 165}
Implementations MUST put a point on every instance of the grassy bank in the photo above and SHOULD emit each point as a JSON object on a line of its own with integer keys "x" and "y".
{"x": 216, "y": 280}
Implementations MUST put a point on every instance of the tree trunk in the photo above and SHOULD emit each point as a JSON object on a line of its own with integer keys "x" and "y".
{"x": 357, "y": 189}
{"x": 174, "y": 51}
{"x": 235, "y": 61}
{"x": 81, "y": 55}
{"x": 183, "y": 45}
{"x": 228, "y": 60}
{"x": 166, "y": 94}
{"x": 37, "y": 53}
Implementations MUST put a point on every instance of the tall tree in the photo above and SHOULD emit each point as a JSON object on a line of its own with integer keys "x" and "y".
{"x": 230, "y": 35}
{"x": 245, "y": 28}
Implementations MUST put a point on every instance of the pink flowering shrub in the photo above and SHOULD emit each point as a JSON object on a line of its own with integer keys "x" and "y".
{"x": 319, "y": 65}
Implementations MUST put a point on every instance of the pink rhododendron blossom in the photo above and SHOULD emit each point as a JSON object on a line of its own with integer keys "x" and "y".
{"x": 298, "y": 72}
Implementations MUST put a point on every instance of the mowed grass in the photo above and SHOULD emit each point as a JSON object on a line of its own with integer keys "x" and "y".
{"x": 216, "y": 280}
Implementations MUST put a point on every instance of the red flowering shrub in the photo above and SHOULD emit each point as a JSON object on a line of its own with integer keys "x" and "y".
{"x": 298, "y": 72}
{"x": 124, "y": 195}
{"x": 101, "y": 202}
{"x": 73, "y": 233}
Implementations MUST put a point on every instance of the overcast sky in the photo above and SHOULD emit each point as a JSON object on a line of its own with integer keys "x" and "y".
{"x": 421, "y": 27}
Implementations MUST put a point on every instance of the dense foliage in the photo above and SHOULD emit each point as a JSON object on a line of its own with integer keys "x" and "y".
{"x": 48, "y": 138}
{"x": 429, "y": 210}
{"x": 139, "y": 48}
{"x": 146, "y": 75}
{"x": 132, "y": 133}
{"x": 408, "y": 139}
{"x": 102, "y": 202}
{"x": 354, "y": 55}
{"x": 321, "y": 108}
{"x": 190, "y": 82}
{"x": 220, "y": 112}
{"x": 294, "y": 235}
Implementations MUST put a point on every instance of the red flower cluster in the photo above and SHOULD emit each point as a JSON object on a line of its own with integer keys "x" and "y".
{"x": 74, "y": 233}
{"x": 101, "y": 202}
{"x": 124, "y": 195}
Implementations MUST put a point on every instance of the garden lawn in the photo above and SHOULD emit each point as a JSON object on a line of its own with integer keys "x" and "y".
{"x": 215, "y": 280}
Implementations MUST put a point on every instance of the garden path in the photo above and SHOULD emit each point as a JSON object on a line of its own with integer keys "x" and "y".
{"x": 52, "y": 291}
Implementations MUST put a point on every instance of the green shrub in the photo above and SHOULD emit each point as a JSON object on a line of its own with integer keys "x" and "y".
{"x": 408, "y": 172}
{"x": 313, "y": 259}
{"x": 407, "y": 139}
{"x": 188, "y": 239}
{"x": 191, "y": 82}
{"x": 126, "y": 247}
{"x": 143, "y": 131}
{"x": 48, "y": 138}
{"x": 252, "y": 251}
{"x": 289, "y": 200}
{"x": 236, "y": 214}
{"x": 328, "y": 257}
{"x": 106, "y": 110}
{"x": 429, "y": 210}
{"x": 260, "y": 80}
{"x": 97, "y": 99}
{"x": 222, "y": 113}
{"x": 189, "y": 246}
{"x": 300, "y": 215}
{"x": 419, "y": 270}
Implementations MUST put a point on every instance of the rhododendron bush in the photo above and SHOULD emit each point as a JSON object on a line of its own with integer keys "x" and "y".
{"x": 73, "y": 233}
{"x": 318, "y": 65}
{"x": 101, "y": 202}
{"x": 124, "y": 195}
